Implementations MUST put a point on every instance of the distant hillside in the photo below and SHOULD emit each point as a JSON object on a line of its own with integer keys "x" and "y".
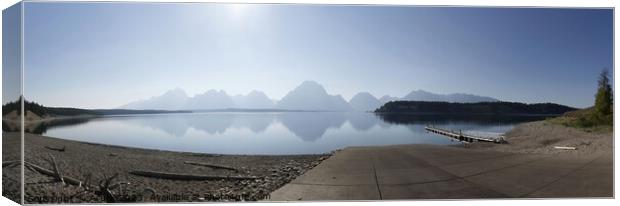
{"x": 579, "y": 113}
{"x": 473, "y": 108}
{"x": 171, "y": 100}
{"x": 387, "y": 98}
{"x": 43, "y": 111}
{"x": 40, "y": 110}
{"x": 254, "y": 100}
{"x": 364, "y": 101}
{"x": 177, "y": 99}
{"x": 421, "y": 95}
{"x": 211, "y": 99}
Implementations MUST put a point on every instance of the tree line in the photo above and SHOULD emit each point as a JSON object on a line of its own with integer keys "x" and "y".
{"x": 43, "y": 111}
{"x": 495, "y": 108}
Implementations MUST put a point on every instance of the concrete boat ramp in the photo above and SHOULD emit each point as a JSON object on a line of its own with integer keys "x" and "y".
{"x": 444, "y": 172}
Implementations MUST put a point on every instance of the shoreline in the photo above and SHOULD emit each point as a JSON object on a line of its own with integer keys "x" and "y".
{"x": 33, "y": 124}
{"x": 95, "y": 162}
{"x": 84, "y": 160}
{"x": 173, "y": 151}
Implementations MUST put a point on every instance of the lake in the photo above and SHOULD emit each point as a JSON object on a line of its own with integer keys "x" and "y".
{"x": 272, "y": 133}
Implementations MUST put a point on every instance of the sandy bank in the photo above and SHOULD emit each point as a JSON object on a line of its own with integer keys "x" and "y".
{"x": 541, "y": 137}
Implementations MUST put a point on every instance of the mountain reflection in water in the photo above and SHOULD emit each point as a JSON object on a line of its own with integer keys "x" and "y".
{"x": 318, "y": 131}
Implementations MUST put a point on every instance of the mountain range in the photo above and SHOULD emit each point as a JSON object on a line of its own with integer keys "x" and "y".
{"x": 312, "y": 96}
{"x": 309, "y": 96}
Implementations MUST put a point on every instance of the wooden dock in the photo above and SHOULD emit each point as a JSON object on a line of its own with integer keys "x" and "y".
{"x": 458, "y": 135}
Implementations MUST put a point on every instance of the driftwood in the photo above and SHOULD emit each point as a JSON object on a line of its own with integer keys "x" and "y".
{"x": 565, "y": 148}
{"x": 27, "y": 166}
{"x": 11, "y": 163}
{"x": 205, "y": 155}
{"x": 179, "y": 176}
{"x": 58, "y": 174}
{"x": 68, "y": 180}
{"x": 212, "y": 165}
{"x": 56, "y": 149}
{"x": 105, "y": 185}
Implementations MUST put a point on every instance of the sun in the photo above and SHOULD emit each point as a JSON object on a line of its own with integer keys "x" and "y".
{"x": 238, "y": 10}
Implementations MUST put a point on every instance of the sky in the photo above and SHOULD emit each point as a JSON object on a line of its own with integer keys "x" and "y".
{"x": 104, "y": 55}
{"x": 11, "y": 54}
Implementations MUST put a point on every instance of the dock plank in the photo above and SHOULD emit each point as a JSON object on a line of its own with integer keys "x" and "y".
{"x": 462, "y": 136}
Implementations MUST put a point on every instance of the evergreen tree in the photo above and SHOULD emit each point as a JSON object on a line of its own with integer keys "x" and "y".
{"x": 603, "y": 105}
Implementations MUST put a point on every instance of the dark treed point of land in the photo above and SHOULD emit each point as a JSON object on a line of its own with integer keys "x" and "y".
{"x": 43, "y": 111}
{"x": 494, "y": 108}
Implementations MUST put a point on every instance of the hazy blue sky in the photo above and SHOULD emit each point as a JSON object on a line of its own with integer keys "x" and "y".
{"x": 103, "y": 55}
{"x": 11, "y": 53}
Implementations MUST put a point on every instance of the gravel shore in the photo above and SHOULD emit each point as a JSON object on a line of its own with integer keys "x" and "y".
{"x": 11, "y": 179}
{"x": 96, "y": 162}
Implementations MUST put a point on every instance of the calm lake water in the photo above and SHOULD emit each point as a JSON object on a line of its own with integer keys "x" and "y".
{"x": 272, "y": 133}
